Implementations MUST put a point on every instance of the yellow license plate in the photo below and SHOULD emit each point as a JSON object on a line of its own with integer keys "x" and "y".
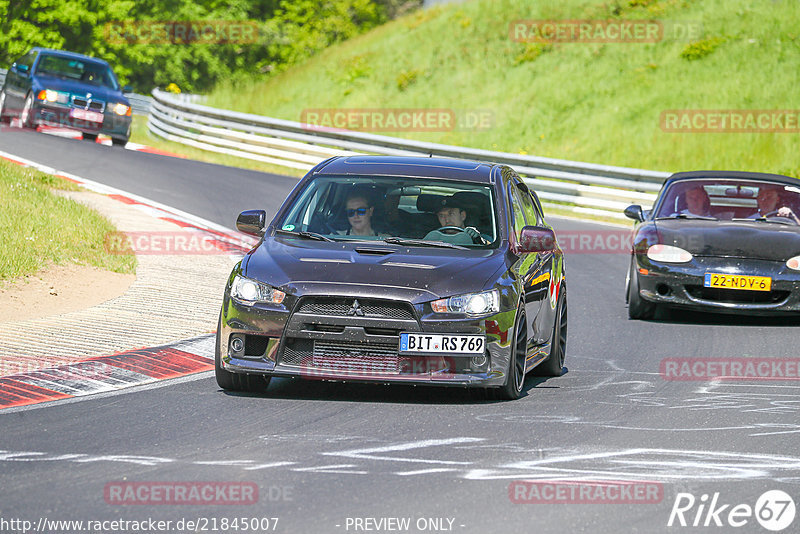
{"x": 738, "y": 281}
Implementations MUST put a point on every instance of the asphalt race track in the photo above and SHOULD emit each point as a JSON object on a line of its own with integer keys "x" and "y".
{"x": 334, "y": 457}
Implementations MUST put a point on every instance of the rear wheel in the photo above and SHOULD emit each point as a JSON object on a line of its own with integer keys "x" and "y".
{"x": 236, "y": 381}
{"x": 90, "y": 137}
{"x": 26, "y": 115}
{"x": 554, "y": 364}
{"x": 119, "y": 142}
{"x": 638, "y": 308}
{"x": 515, "y": 378}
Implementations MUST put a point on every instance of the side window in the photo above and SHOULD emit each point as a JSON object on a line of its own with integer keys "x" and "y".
{"x": 27, "y": 60}
{"x": 531, "y": 214}
{"x": 516, "y": 209}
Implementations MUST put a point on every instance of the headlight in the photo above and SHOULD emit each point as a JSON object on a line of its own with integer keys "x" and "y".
{"x": 121, "y": 109}
{"x": 793, "y": 263}
{"x": 668, "y": 254}
{"x": 249, "y": 291}
{"x": 49, "y": 95}
{"x": 471, "y": 304}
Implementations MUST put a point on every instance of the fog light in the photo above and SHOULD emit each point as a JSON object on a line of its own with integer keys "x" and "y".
{"x": 479, "y": 360}
{"x": 237, "y": 345}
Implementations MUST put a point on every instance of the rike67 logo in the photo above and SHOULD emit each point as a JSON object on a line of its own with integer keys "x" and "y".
{"x": 774, "y": 510}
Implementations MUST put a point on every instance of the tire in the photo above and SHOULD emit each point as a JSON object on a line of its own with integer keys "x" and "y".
{"x": 119, "y": 142}
{"x": 26, "y": 115}
{"x": 515, "y": 378}
{"x": 554, "y": 364}
{"x": 90, "y": 137}
{"x": 3, "y": 118}
{"x": 236, "y": 381}
{"x": 638, "y": 308}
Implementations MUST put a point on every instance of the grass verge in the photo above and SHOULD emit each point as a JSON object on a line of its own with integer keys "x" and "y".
{"x": 40, "y": 228}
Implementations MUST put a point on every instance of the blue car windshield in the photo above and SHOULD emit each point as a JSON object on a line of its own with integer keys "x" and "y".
{"x": 376, "y": 208}
{"x": 87, "y": 72}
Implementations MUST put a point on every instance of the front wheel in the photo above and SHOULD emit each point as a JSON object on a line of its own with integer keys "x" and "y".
{"x": 3, "y": 118}
{"x": 515, "y": 377}
{"x": 26, "y": 115}
{"x": 119, "y": 142}
{"x": 236, "y": 381}
{"x": 90, "y": 137}
{"x": 554, "y": 364}
{"x": 638, "y": 308}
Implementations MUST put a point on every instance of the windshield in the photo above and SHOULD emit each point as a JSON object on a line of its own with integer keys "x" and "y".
{"x": 73, "y": 69}
{"x": 728, "y": 199}
{"x": 397, "y": 209}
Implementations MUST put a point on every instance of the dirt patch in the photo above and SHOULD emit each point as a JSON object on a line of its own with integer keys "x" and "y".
{"x": 59, "y": 289}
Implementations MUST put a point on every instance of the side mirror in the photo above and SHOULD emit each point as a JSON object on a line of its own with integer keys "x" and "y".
{"x": 252, "y": 222}
{"x": 634, "y": 212}
{"x": 127, "y": 89}
{"x": 536, "y": 239}
{"x": 23, "y": 69}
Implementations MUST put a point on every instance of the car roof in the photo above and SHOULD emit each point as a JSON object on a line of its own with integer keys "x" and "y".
{"x": 446, "y": 168}
{"x": 69, "y": 55}
{"x": 739, "y": 175}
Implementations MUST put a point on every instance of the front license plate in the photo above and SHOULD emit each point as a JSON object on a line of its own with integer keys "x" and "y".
{"x": 449, "y": 343}
{"x": 84, "y": 115}
{"x": 737, "y": 281}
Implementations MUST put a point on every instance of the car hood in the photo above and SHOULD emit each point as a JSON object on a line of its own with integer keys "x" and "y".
{"x": 416, "y": 274}
{"x": 737, "y": 239}
{"x": 81, "y": 89}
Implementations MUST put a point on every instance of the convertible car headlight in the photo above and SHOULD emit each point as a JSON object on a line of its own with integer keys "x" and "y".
{"x": 471, "y": 304}
{"x": 668, "y": 254}
{"x": 249, "y": 291}
{"x": 121, "y": 109}
{"x": 793, "y": 263}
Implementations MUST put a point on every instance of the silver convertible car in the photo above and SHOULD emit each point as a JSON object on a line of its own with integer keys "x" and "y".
{"x": 398, "y": 269}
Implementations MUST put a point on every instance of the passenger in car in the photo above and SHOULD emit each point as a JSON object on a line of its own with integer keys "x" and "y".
{"x": 359, "y": 211}
{"x": 697, "y": 202}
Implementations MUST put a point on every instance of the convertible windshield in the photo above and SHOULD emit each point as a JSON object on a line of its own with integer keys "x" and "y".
{"x": 405, "y": 211}
{"x": 731, "y": 199}
{"x": 74, "y": 69}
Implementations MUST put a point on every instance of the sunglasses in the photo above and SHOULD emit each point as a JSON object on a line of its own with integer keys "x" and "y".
{"x": 360, "y": 211}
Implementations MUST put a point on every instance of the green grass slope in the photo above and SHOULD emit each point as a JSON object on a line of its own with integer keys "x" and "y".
{"x": 598, "y": 102}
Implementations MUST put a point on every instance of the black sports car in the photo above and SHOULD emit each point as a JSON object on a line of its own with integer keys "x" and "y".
{"x": 58, "y": 88}
{"x": 718, "y": 241}
{"x": 398, "y": 269}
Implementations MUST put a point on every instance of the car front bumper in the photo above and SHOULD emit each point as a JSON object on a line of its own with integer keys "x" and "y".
{"x": 113, "y": 125}
{"x": 324, "y": 343}
{"x": 682, "y": 285}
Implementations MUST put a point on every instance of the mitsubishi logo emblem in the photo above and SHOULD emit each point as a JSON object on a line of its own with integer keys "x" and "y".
{"x": 355, "y": 309}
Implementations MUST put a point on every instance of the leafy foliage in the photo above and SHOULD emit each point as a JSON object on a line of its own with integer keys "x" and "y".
{"x": 289, "y": 31}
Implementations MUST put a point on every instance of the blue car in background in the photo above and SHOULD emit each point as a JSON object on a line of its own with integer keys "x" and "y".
{"x": 64, "y": 89}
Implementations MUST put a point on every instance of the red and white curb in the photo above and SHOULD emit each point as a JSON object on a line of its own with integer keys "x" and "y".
{"x": 130, "y": 368}
{"x": 108, "y": 373}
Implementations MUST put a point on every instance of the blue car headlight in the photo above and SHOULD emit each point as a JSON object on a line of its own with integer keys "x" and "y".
{"x": 247, "y": 291}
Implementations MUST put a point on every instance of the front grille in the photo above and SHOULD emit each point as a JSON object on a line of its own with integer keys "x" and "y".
{"x": 365, "y": 358}
{"x": 91, "y": 105}
{"x": 735, "y": 296}
{"x": 340, "y": 306}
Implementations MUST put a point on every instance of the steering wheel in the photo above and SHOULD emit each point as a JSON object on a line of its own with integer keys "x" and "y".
{"x": 774, "y": 213}
{"x": 458, "y": 228}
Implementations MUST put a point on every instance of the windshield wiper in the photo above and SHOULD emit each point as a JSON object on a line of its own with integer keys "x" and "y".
{"x": 778, "y": 220}
{"x": 307, "y": 235}
{"x": 421, "y": 243}
{"x": 687, "y": 216}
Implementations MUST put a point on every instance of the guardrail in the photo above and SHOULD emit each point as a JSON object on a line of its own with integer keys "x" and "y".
{"x": 139, "y": 103}
{"x": 585, "y": 188}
